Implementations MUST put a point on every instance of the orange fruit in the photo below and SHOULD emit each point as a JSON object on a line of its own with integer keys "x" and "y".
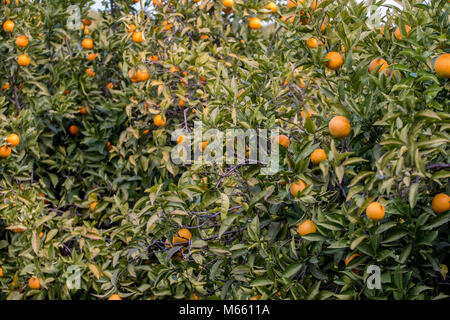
{"x": 87, "y": 21}
{"x": 318, "y": 156}
{"x": 146, "y": 132}
{"x": 180, "y": 139}
{"x": 181, "y": 103}
{"x": 297, "y": 187}
{"x": 115, "y": 297}
{"x": 156, "y": 3}
{"x": 154, "y": 58}
{"x": 375, "y": 63}
{"x": 92, "y": 56}
{"x": 334, "y": 60}
{"x": 254, "y": 23}
{"x": 23, "y": 60}
{"x": 5, "y": 151}
{"x": 108, "y": 145}
{"x": 195, "y": 297}
{"x": 312, "y": 43}
{"x": 375, "y": 211}
{"x": 291, "y": 4}
{"x": 308, "y": 114}
{"x": 137, "y": 37}
{"x": 6, "y": 86}
{"x": 182, "y": 236}
{"x": 131, "y": 28}
{"x": 272, "y": 7}
{"x": 174, "y": 69}
{"x": 73, "y": 130}
{"x": 398, "y": 34}
{"x": 283, "y": 140}
{"x": 159, "y": 120}
{"x": 93, "y": 205}
{"x": 109, "y": 86}
{"x": 87, "y": 43}
{"x": 34, "y": 284}
{"x": 142, "y": 75}
{"x": 339, "y": 127}
{"x": 442, "y": 65}
{"x": 227, "y": 3}
{"x": 353, "y": 256}
{"x": 22, "y": 42}
{"x": 440, "y": 203}
{"x": 1, "y": 272}
{"x": 8, "y": 26}
{"x": 203, "y": 145}
{"x": 307, "y": 227}
{"x": 90, "y": 72}
{"x": 13, "y": 140}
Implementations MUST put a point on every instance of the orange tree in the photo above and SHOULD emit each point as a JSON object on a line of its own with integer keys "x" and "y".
{"x": 89, "y": 103}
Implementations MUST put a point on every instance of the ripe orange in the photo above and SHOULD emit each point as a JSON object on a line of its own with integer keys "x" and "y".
{"x": 1, "y": 272}
{"x": 92, "y": 56}
{"x": 203, "y": 145}
{"x": 159, "y": 120}
{"x": 13, "y": 140}
{"x": 378, "y": 62}
{"x": 334, "y": 60}
{"x": 183, "y": 236}
{"x": 272, "y": 7}
{"x": 109, "y": 86}
{"x": 180, "y": 139}
{"x": 6, "y": 86}
{"x": 131, "y": 28}
{"x": 254, "y": 23}
{"x": 157, "y": 3}
{"x": 291, "y": 4}
{"x": 174, "y": 69}
{"x": 353, "y": 256}
{"x": 115, "y": 297}
{"x": 142, "y": 75}
{"x": 397, "y": 32}
{"x": 34, "y": 284}
{"x": 312, "y": 43}
{"x": 137, "y": 37}
{"x": 93, "y": 205}
{"x": 442, "y": 65}
{"x": 308, "y": 114}
{"x": 440, "y": 203}
{"x": 22, "y": 42}
{"x": 283, "y": 140}
{"x": 87, "y": 43}
{"x": 339, "y": 127}
{"x": 8, "y": 26}
{"x": 87, "y": 21}
{"x": 318, "y": 156}
{"x": 228, "y": 3}
{"x": 154, "y": 58}
{"x": 181, "y": 103}
{"x": 90, "y": 72}
{"x": 307, "y": 227}
{"x": 5, "y": 151}
{"x": 297, "y": 187}
{"x": 375, "y": 211}
{"x": 73, "y": 130}
{"x": 23, "y": 60}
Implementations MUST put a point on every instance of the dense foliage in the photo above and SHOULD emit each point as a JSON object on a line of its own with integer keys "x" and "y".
{"x": 91, "y": 182}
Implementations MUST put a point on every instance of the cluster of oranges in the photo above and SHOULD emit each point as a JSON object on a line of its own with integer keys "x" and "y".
{"x": 12, "y": 141}
{"x": 21, "y": 43}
